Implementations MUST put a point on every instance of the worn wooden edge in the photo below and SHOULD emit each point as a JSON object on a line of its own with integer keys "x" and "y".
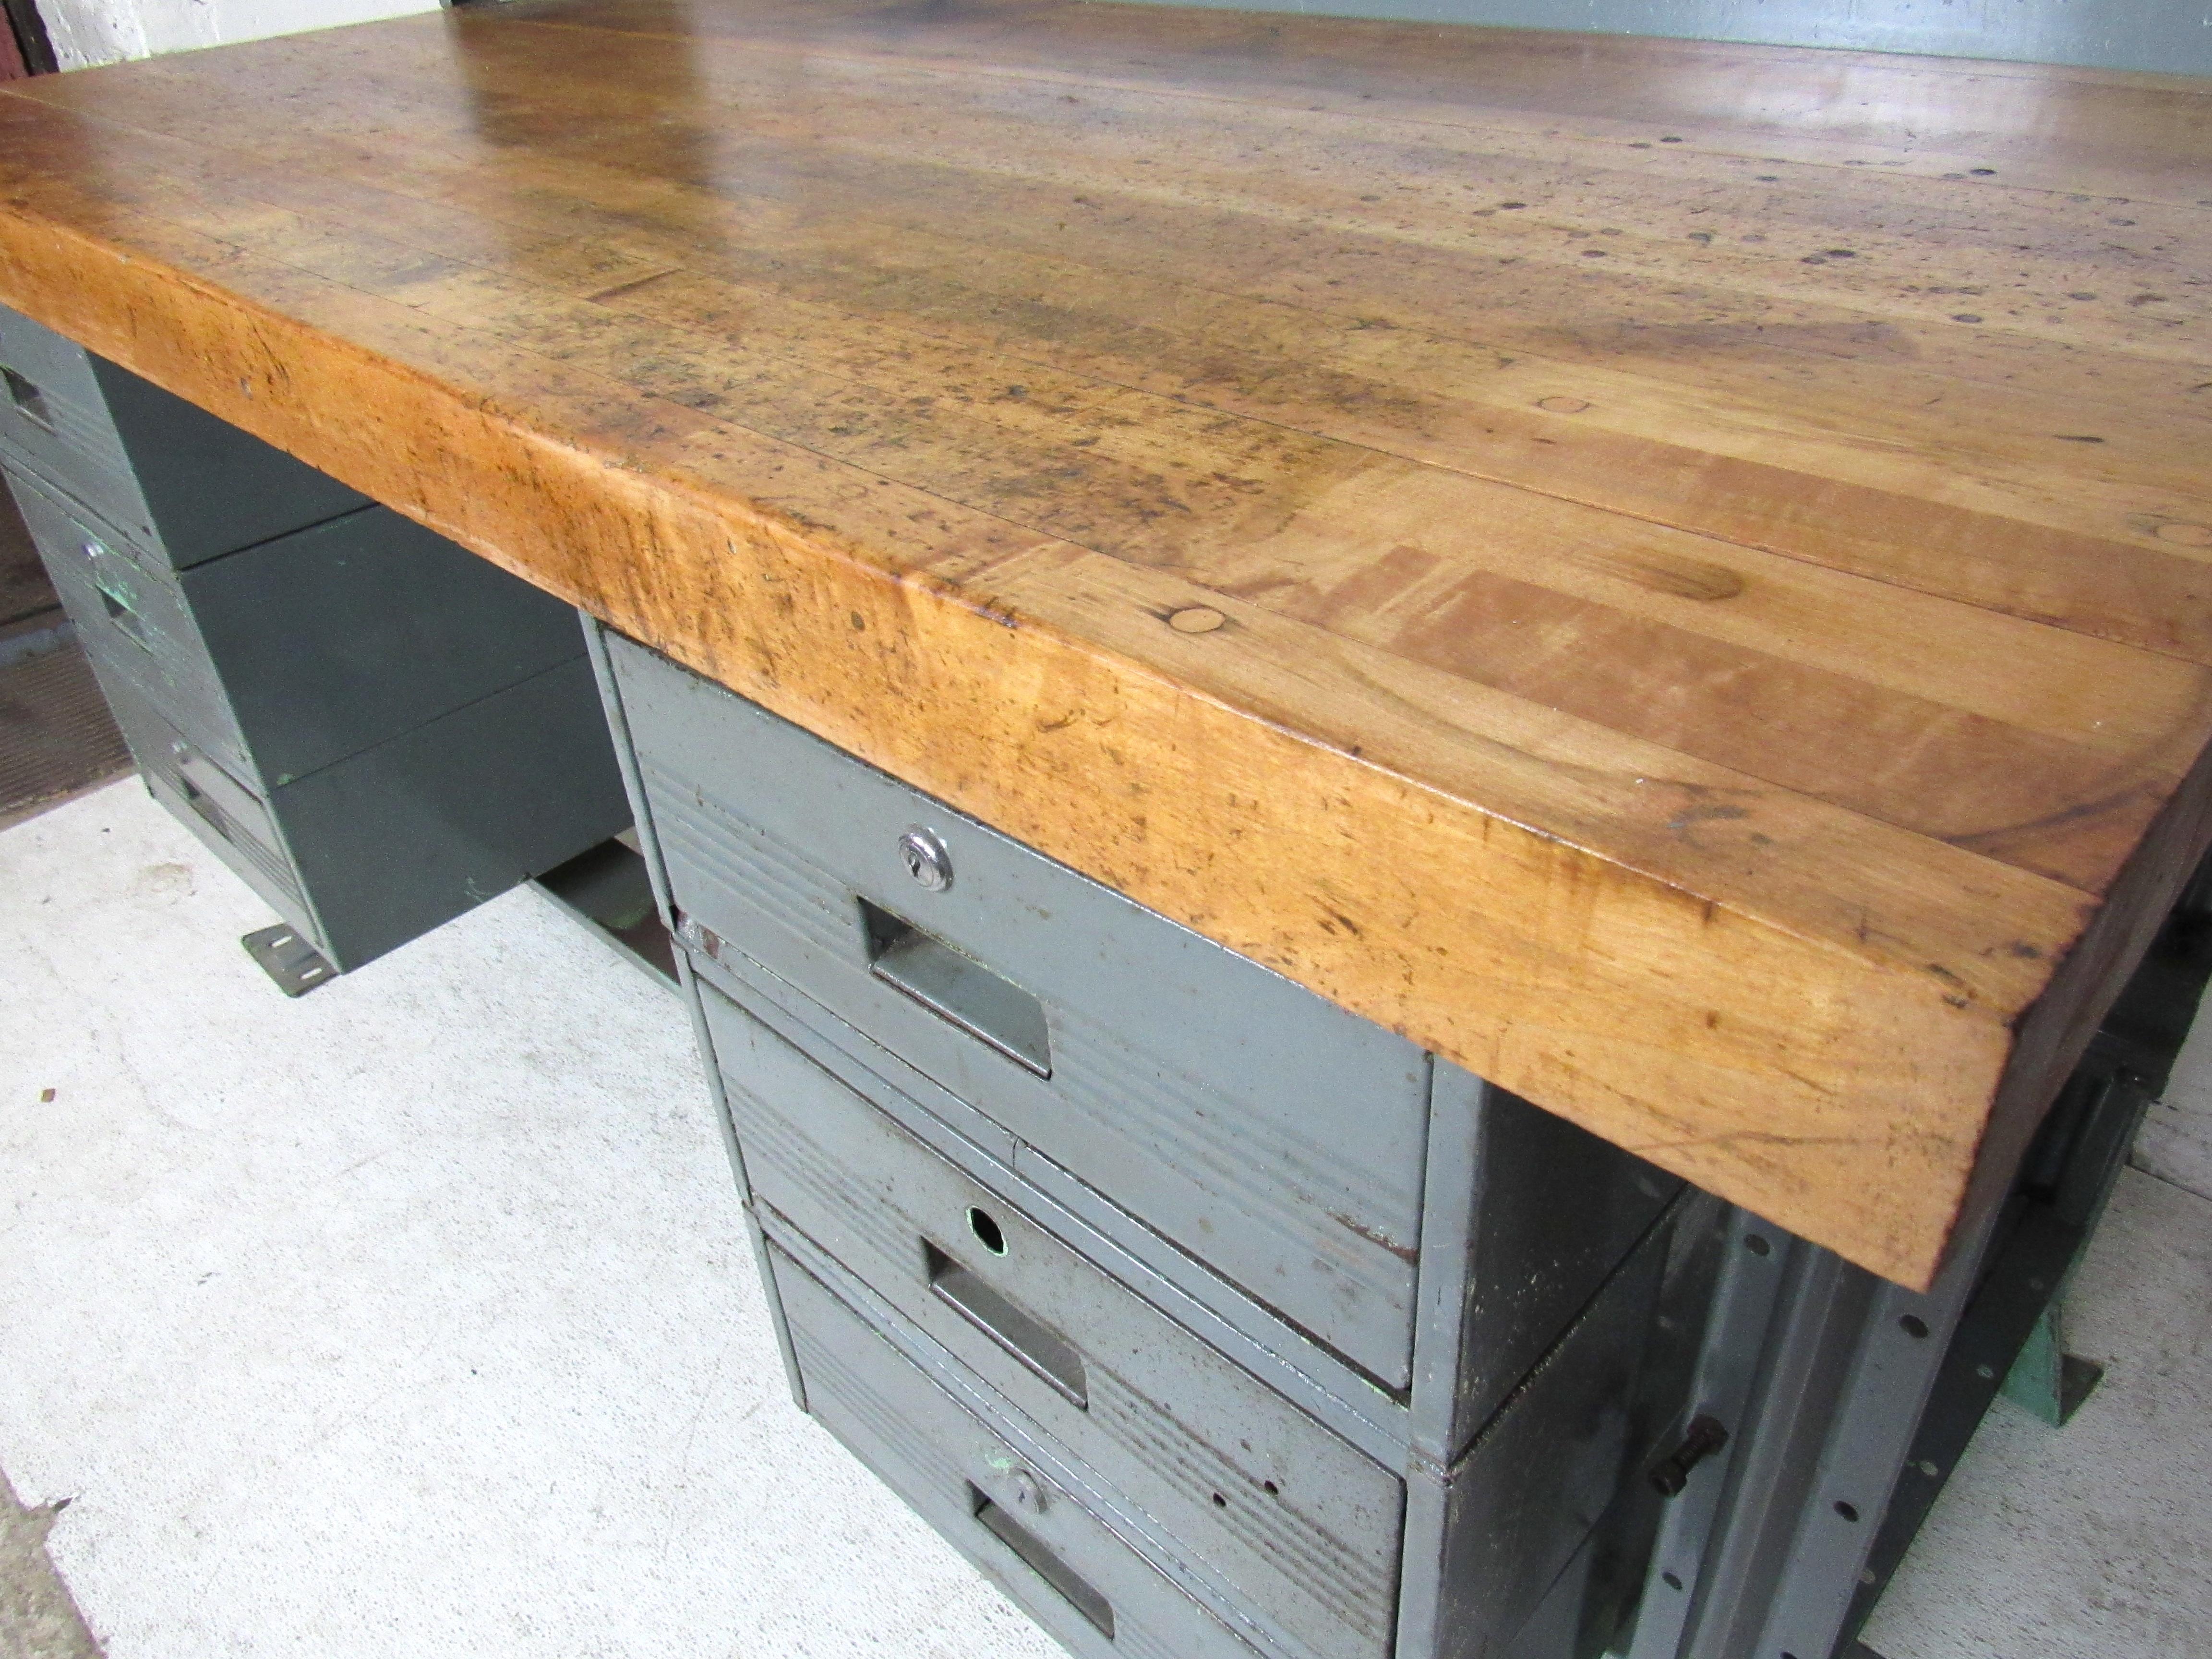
{"x": 1593, "y": 990}
{"x": 2053, "y": 1034}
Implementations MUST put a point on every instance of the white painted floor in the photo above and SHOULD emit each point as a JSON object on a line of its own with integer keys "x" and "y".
{"x": 412, "y": 1318}
{"x": 416, "y": 1317}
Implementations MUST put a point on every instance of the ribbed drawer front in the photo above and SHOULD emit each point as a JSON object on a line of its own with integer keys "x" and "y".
{"x": 1269, "y": 1134}
{"x": 1303, "y": 1528}
{"x": 134, "y": 622}
{"x": 223, "y": 811}
{"x": 182, "y": 484}
{"x": 54, "y": 418}
{"x": 1042, "y": 1545}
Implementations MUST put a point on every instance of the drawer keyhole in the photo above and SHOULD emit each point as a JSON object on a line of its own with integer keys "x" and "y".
{"x": 926, "y": 860}
{"x": 987, "y": 1231}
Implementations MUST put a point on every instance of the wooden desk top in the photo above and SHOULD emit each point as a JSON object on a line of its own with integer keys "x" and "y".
{"x": 1678, "y": 575}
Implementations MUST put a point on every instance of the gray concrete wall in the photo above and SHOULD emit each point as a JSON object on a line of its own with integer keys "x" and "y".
{"x": 2174, "y": 35}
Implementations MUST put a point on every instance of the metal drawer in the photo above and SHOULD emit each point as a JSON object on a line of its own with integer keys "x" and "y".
{"x": 54, "y": 418}
{"x": 1302, "y": 1528}
{"x": 291, "y": 655}
{"x": 236, "y": 823}
{"x": 1267, "y": 1133}
{"x": 134, "y": 624}
{"x": 1039, "y": 1542}
{"x": 182, "y": 483}
{"x": 338, "y": 637}
{"x": 379, "y": 847}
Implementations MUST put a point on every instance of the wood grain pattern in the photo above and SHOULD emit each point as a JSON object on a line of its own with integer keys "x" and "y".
{"x": 1715, "y": 542}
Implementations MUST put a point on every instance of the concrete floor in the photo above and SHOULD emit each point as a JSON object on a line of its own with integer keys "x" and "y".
{"x": 416, "y": 1317}
{"x": 38, "y": 1619}
{"x": 412, "y": 1318}
{"x": 2095, "y": 1541}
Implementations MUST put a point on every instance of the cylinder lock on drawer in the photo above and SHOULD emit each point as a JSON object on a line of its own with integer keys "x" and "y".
{"x": 926, "y": 858}
{"x": 1253, "y": 1127}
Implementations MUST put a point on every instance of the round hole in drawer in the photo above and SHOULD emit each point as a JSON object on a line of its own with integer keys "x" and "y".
{"x": 986, "y": 1230}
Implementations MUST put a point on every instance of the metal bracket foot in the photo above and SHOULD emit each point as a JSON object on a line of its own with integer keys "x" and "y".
{"x": 295, "y": 965}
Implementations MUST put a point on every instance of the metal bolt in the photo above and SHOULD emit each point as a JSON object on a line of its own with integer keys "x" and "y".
{"x": 1704, "y": 1438}
{"x": 1028, "y": 1495}
{"x": 926, "y": 860}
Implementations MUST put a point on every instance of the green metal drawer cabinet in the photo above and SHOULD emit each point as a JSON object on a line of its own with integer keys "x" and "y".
{"x": 1356, "y": 1355}
{"x": 374, "y": 728}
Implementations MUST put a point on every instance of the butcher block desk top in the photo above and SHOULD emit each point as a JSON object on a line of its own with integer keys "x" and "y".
{"x": 1678, "y": 575}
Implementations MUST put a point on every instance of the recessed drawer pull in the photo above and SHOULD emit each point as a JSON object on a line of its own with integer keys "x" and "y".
{"x": 957, "y": 989}
{"x": 119, "y": 612}
{"x": 1033, "y": 1342}
{"x": 27, "y": 397}
{"x": 1039, "y": 1558}
{"x": 228, "y": 805}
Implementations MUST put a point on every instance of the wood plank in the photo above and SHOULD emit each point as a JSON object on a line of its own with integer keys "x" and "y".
{"x": 2135, "y": 514}
{"x": 1793, "y": 647}
{"x": 1706, "y": 686}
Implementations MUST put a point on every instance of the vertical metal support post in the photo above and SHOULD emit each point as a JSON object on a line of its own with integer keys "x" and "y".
{"x": 603, "y": 672}
{"x": 1849, "y": 1366}
{"x": 1819, "y": 1311}
{"x": 1743, "y": 1311}
{"x": 1450, "y": 1195}
{"x": 774, "y": 1293}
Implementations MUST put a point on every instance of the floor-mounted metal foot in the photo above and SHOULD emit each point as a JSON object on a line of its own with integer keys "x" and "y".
{"x": 295, "y": 965}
